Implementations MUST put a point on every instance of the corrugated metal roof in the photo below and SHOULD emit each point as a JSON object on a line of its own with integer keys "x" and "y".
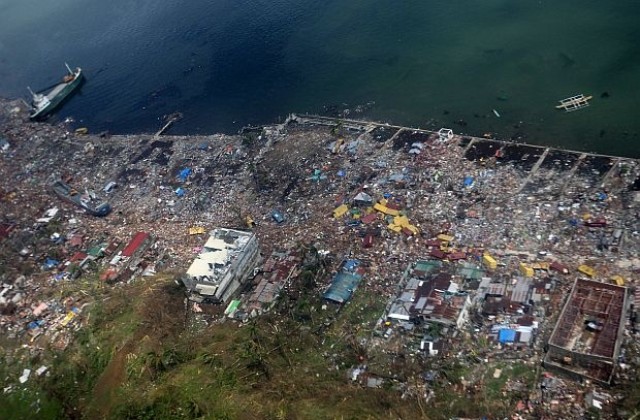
{"x": 135, "y": 243}
{"x": 342, "y": 287}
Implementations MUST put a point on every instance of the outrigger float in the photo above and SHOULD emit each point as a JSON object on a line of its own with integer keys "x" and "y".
{"x": 574, "y": 103}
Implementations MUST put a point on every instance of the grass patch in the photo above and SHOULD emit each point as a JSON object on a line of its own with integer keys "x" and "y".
{"x": 136, "y": 359}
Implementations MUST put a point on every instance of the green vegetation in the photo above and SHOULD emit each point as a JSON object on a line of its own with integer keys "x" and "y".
{"x": 135, "y": 359}
{"x": 140, "y": 357}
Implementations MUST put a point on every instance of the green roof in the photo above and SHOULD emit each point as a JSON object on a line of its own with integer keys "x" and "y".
{"x": 96, "y": 250}
{"x": 427, "y": 266}
{"x": 233, "y": 305}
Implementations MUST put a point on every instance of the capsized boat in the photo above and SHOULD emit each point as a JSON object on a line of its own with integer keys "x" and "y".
{"x": 45, "y": 103}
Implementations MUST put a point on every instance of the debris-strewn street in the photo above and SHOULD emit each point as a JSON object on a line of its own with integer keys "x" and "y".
{"x": 449, "y": 260}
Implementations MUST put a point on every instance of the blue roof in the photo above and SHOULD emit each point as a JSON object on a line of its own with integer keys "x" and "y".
{"x": 342, "y": 287}
{"x": 507, "y": 336}
{"x": 350, "y": 265}
{"x": 184, "y": 174}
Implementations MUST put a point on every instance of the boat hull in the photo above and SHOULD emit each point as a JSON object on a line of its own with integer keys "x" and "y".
{"x": 68, "y": 194}
{"x": 62, "y": 92}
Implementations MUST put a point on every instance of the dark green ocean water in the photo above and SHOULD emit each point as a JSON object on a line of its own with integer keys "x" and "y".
{"x": 225, "y": 63}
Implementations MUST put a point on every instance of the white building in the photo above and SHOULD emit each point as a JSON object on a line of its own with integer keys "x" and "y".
{"x": 227, "y": 260}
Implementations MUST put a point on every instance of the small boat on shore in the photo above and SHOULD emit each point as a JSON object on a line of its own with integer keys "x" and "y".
{"x": 45, "y": 103}
{"x": 84, "y": 201}
{"x": 574, "y": 103}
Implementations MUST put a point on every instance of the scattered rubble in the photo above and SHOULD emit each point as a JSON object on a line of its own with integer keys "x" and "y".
{"x": 473, "y": 244}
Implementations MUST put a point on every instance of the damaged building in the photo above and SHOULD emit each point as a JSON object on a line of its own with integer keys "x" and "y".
{"x": 587, "y": 337}
{"x": 227, "y": 260}
{"x": 431, "y": 298}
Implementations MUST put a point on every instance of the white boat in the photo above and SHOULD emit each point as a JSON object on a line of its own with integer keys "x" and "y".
{"x": 574, "y": 103}
{"x": 44, "y": 104}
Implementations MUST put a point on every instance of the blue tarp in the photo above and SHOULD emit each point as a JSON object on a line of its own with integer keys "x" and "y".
{"x": 317, "y": 175}
{"x": 468, "y": 181}
{"x": 50, "y": 263}
{"x": 184, "y": 174}
{"x": 180, "y": 192}
{"x": 35, "y": 324}
{"x": 507, "y": 335}
{"x": 277, "y": 216}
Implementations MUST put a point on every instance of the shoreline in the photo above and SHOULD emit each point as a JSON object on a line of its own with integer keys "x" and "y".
{"x": 507, "y": 211}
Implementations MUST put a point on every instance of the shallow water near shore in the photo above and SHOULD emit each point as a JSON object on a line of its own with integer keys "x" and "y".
{"x": 225, "y": 64}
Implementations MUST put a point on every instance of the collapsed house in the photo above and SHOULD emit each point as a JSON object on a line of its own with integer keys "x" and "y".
{"x": 227, "y": 260}
{"x": 431, "y": 298}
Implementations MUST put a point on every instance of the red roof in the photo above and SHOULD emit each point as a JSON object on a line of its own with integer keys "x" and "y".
{"x": 76, "y": 240}
{"x": 458, "y": 255}
{"x": 437, "y": 254}
{"x": 111, "y": 248}
{"x": 369, "y": 218}
{"x": 135, "y": 243}
{"x": 394, "y": 206}
{"x": 78, "y": 256}
{"x": 555, "y": 265}
{"x": 598, "y": 222}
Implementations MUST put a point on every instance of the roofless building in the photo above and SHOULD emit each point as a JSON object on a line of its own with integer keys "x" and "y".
{"x": 587, "y": 337}
{"x": 226, "y": 262}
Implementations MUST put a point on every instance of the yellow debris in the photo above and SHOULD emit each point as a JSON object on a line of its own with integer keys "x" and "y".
{"x": 586, "y": 270}
{"x": 445, "y": 238}
{"x": 403, "y": 222}
{"x": 196, "y": 230}
{"x": 489, "y": 261}
{"x": 413, "y": 229}
{"x": 619, "y": 280}
{"x": 542, "y": 265}
{"x": 386, "y": 210}
{"x": 340, "y": 211}
{"x": 526, "y": 270}
{"x": 394, "y": 227}
{"x": 67, "y": 319}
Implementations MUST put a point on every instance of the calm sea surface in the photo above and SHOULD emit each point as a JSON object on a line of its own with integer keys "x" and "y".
{"x": 228, "y": 63}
